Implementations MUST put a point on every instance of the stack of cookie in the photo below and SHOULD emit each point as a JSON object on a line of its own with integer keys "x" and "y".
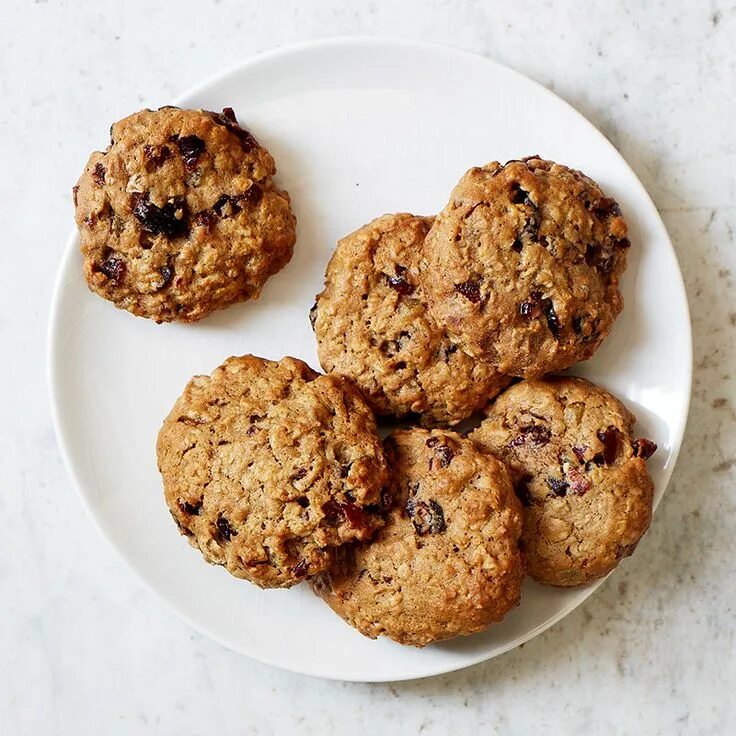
{"x": 279, "y": 474}
{"x": 517, "y": 278}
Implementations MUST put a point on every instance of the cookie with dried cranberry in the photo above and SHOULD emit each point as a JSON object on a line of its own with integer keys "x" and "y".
{"x": 447, "y": 562}
{"x": 372, "y": 325}
{"x": 269, "y": 466}
{"x": 180, "y": 215}
{"x": 522, "y": 266}
{"x": 579, "y": 471}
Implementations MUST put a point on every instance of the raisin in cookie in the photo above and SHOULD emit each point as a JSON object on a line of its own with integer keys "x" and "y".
{"x": 580, "y": 474}
{"x": 179, "y": 216}
{"x": 447, "y": 562}
{"x": 372, "y": 325}
{"x": 268, "y": 466}
{"x": 523, "y": 265}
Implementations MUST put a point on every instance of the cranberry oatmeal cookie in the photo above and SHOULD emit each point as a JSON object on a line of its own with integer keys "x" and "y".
{"x": 180, "y": 216}
{"x": 372, "y": 325}
{"x": 580, "y": 474}
{"x": 447, "y": 562}
{"x": 269, "y": 466}
{"x": 522, "y": 266}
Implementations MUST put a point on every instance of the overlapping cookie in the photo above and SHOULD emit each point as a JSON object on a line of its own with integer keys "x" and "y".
{"x": 522, "y": 266}
{"x": 372, "y": 325}
{"x": 447, "y": 562}
{"x": 269, "y": 466}
{"x": 580, "y": 472}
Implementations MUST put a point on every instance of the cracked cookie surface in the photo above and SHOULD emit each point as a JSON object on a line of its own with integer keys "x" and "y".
{"x": 268, "y": 466}
{"x": 581, "y": 475}
{"x": 372, "y": 325}
{"x": 523, "y": 265}
{"x": 180, "y": 216}
{"x": 447, "y": 561}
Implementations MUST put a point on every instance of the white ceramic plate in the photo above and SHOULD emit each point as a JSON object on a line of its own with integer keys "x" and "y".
{"x": 358, "y": 127}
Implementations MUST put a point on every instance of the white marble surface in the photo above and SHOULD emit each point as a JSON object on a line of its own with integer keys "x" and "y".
{"x": 84, "y": 649}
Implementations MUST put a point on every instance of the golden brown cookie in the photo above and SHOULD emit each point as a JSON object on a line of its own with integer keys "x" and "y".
{"x": 180, "y": 216}
{"x": 522, "y": 266}
{"x": 268, "y": 466}
{"x": 580, "y": 474}
{"x": 372, "y": 325}
{"x": 447, "y": 562}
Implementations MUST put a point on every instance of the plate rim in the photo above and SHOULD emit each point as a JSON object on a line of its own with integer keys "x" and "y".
{"x": 54, "y": 378}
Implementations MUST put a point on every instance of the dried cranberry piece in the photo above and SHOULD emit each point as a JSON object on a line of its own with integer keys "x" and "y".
{"x": 170, "y": 220}
{"x": 191, "y": 147}
{"x": 592, "y": 252}
{"x": 181, "y": 527}
{"x": 167, "y": 273}
{"x": 559, "y": 487}
{"x": 553, "y": 321}
{"x": 114, "y": 268}
{"x": 526, "y": 308}
{"x": 228, "y": 120}
{"x": 313, "y": 315}
{"x": 226, "y": 206}
{"x": 432, "y": 441}
{"x": 447, "y": 350}
{"x": 622, "y": 243}
{"x": 644, "y": 448}
{"x": 399, "y": 282}
{"x": 579, "y": 452}
{"x": 579, "y": 484}
{"x": 154, "y": 156}
{"x": 444, "y": 455}
{"x": 247, "y": 141}
{"x": 190, "y": 421}
{"x": 299, "y": 474}
{"x": 428, "y": 518}
{"x": 470, "y": 289}
{"x": 537, "y": 434}
{"x": 609, "y": 438}
{"x": 98, "y": 174}
{"x": 597, "y": 459}
{"x": 300, "y": 569}
{"x": 224, "y": 529}
{"x": 253, "y": 195}
{"x": 531, "y": 227}
{"x": 607, "y": 206}
{"x": 517, "y": 245}
{"x": 520, "y": 196}
{"x": 204, "y": 219}
{"x": 605, "y": 263}
{"x": 594, "y": 256}
{"x": 190, "y": 508}
{"x": 256, "y": 563}
{"x": 530, "y": 307}
{"x": 356, "y": 517}
{"x": 229, "y": 114}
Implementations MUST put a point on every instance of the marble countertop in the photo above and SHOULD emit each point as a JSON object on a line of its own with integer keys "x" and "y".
{"x": 85, "y": 649}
